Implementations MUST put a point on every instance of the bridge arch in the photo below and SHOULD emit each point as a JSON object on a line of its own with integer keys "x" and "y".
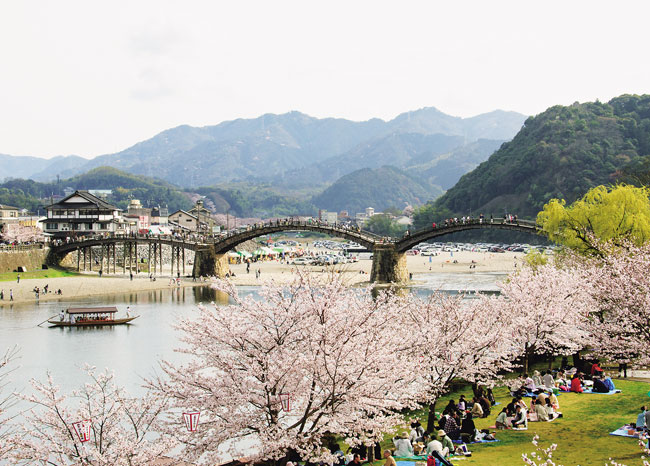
{"x": 225, "y": 244}
{"x": 404, "y": 244}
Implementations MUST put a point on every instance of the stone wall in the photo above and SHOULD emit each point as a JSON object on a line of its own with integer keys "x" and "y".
{"x": 388, "y": 265}
{"x": 31, "y": 260}
{"x": 209, "y": 264}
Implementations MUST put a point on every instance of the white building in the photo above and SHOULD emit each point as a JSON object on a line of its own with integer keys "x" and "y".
{"x": 82, "y": 213}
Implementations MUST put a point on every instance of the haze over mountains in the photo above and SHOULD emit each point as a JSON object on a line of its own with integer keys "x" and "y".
{"x": 290, "y": 149}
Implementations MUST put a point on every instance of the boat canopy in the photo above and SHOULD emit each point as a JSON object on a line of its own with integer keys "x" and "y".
{"x": 91, "y": 310}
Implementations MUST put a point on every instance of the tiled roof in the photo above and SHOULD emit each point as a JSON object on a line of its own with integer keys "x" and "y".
{"x": 92, "y": 200}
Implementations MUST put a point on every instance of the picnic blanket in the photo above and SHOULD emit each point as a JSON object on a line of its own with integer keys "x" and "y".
{"x": 611, "y": 392}
{"x": 624, "y": 432}
{"x": 478, "y": 441}
{"x": 530, "y": 394}
{"x": 535, "y": 419}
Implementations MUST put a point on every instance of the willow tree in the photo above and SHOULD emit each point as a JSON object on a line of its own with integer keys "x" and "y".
{"x": 616, "y": 214}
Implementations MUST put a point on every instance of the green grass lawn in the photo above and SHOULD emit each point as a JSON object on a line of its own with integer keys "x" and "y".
{"x": 582, "y": 435}
{"x": 49, "y": 273}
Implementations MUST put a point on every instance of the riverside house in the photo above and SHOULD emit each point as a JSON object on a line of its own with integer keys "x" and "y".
{"x": 82, "y": 213}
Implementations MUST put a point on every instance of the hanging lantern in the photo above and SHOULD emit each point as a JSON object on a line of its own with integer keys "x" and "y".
{"x": 285, "y": 400}
{"x": 191, "y": 421}
{"x": 82, "y": 428}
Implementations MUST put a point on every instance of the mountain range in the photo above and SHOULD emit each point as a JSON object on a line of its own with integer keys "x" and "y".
{"x": 292, "y": 149}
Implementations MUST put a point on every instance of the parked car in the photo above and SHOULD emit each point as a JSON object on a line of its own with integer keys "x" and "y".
{"x": 301, "y": 261}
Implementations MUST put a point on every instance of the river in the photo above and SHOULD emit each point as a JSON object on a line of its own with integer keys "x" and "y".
{"x": 133, "y": 351}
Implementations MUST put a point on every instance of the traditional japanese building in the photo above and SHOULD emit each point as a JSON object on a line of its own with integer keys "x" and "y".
{"x": 82, "y": 213}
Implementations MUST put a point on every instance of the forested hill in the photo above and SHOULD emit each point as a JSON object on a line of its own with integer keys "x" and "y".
{"x": 560, "y": 153}
{"x": 33, "y": 195}
{"x": 380, "y": 188}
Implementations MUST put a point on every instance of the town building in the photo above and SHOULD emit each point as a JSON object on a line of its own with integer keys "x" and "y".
{"x": 82, "y": 213}
{"x": 160, "y": 216}
{"x": 329, "y": 217}
{"x": 8, "y": 214}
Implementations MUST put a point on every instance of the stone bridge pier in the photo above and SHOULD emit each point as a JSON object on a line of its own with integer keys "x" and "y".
{"x": 388, "y": 265}
{"x": 209, "y": 264}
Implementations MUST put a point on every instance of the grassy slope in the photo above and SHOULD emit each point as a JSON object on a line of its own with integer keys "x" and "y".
{"x": 582, "y": 434}
{"x": 49, "y": 273}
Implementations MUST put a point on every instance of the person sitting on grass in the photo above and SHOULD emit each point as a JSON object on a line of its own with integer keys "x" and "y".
{"x": 451, "y": 426}
{"x": 446, "y": 442}
{"x": 576, "y": 385}
{"x": 462, "y": 404}
{"x": 519, "y": 421}
{"x": 468, "y": 429}
{"x": 477, "y": 409}
{"x": 390, "y": 461}
{"x": 436, "y": 445}
{"x": 548, "y": 381}
{"x": 450, "y": 408}
{"x": 537, "y": 378}
{"x": 356, "y": 461}
{"x": 550, "y": 410}
{"x": 403, "y": 447}
{"x": 642, "y": 419}
{"x": 610, "y": 383}
{"x": 599, "y": 386}
{"x": 416, "y": 432}
{"x": 502, "y": 419}
{"x": 485, "y": 405}
{"x": 596, "y": 371}
{"x": 529, "y": 384}
{"x": 540, "y": 410}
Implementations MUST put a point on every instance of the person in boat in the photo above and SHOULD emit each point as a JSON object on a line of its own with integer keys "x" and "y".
{"x": 61, "y": 315}
{"x": 128, "y": 311}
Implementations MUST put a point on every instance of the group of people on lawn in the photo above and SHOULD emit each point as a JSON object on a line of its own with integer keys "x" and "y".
{"x": 455, "y": 423}
{"x": 457, "y": 420}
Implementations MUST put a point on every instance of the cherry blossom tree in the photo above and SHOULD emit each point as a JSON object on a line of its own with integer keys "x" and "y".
{"x": 334, "y": 350}
{"x": 549, "y": 306}
{"x": 621, "y": 288}
{"x": 15, "y": 233}
{"x": 122, "y": 429}
{"x": 6, "y": 399}
{"x": 453, "y": 337}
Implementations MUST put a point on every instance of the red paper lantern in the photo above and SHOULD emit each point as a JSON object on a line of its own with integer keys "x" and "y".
{"x": 82, "y": 428}
{"x": 285, "y": 400}
{"x": 191, "y": 421}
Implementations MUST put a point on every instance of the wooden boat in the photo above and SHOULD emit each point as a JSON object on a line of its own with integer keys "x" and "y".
{"x": 89, "y": 316}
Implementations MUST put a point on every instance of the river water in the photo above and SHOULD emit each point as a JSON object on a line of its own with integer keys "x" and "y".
{"x": 133, "y": 351}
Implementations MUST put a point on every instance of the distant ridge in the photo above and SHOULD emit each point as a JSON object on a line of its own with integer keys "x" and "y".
{"x": 270, "y": 147}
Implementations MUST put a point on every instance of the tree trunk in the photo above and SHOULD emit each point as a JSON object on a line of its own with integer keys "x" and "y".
{"x": 577, "y": 360}
{"x": 431, "y": 419}
{"x": 525, "y": 366}
{"x": 550, "y": 362}
{"x": 475, "y": 389}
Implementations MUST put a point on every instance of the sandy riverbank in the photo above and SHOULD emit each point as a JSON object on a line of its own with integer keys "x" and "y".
{"x": 355, "y": 273}
{"x": 359, "y": 272}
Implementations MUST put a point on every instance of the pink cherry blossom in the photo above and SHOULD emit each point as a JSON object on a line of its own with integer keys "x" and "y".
{"x": 549, "y": 306}
{"x": 123, "y": 430}
{"x": 336, "y": 350}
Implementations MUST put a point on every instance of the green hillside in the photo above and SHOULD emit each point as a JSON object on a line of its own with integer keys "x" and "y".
{"x": 380, "y": 188}
{"x": 560, "y": 153}
{"x": 33, "y": 195}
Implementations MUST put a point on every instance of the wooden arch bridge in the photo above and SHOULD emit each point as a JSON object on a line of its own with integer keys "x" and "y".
{"x": 389, "y": 254}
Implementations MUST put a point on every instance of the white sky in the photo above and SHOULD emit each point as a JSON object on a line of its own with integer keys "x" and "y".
{"x": 88, "y": 77}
